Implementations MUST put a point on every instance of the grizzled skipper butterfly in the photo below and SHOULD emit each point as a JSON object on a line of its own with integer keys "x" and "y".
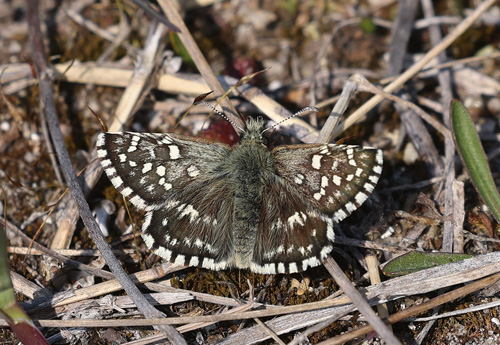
{"x": 214, "y": 206}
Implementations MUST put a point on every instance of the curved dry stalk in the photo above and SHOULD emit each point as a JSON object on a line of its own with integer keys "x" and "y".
{"x": 48, "y": 107}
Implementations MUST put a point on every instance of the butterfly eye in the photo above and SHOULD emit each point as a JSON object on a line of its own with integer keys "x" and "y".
{"x": 265, "y": 141}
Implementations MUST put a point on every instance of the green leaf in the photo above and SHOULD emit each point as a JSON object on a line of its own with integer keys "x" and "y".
{"x": 179, "y": 48}
{"x": 471, "y": 151}
{"x": 368, "y": 26}
{"x": 417, "y": 261}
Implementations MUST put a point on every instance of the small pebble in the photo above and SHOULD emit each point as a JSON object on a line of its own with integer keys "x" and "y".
{"x": 5, "y": 126}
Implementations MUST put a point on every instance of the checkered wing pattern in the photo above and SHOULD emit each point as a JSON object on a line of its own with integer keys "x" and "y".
{"x": 315, "y": 186}
{"x": 174, "y": 179}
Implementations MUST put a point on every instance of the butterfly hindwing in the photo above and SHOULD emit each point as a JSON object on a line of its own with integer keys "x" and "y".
{"x": 195, "y": 231}
{"x": 292, "y": 234}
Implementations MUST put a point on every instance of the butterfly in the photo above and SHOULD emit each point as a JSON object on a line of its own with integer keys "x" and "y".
{"x": 218, "y": 207}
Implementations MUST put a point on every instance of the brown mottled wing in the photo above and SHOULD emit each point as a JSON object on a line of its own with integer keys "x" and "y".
{"x": 314, "y": 186}
{"x": 177, "y": 181}
{"x": 292, "y": 235}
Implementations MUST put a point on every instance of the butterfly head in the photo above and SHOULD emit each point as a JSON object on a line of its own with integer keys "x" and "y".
{"x": 253, "y": 131}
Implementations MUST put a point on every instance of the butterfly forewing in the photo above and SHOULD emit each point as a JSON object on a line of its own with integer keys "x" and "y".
{"x": 147, "y": 168}
{"x": 336, "y": 179}
{"x": 175, "y": 180}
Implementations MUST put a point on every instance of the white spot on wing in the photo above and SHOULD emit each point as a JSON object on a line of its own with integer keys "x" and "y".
{"x": 310, "y": 262}
{"x": 361, "y": 197}
{"x": 116, "y": 181}
{"x": 208, "y": 263}
{"x": 174, "y": 152}
{"x": 171, "y": 204}
{"x": 101, "y": 139}
{"x": 330, "y": 234}
{"x": 324, "y": 181}
{"x": 188, "y": 210}
{"x": 164, "y": 253}
{"x": 147, "y": 167}
{"x": 160, "y": 171}
{"x": 269, "y": 268}
{"x": 126, "y": 191}
{"x": 299, "y": 179}
{"x": 106, "y": 163}
{"x": 138, "y": 202}
{"x": 316, "y": 161}
{"x": 148, "y": 239}
{"x": 213, "y": 265}
{"x": 147, "y": 220}
{"x": 379, "y": 157}
{"x": 180, "y": 259}
{"x": 102, "y": 153}
{"x": 350, "y": 207}
{"x": 368, "y": 187}
{"x": 193, "y": 171}
{"x": 194, "y": 261}
{"x": 325, "y": 251}
{"x": 298, "y": 218}
{"x": 339, "y": 215}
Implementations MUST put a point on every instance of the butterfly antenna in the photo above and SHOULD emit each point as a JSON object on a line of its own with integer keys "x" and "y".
{"x": 300, "y": 112}
{"x": 220, "y": 114}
